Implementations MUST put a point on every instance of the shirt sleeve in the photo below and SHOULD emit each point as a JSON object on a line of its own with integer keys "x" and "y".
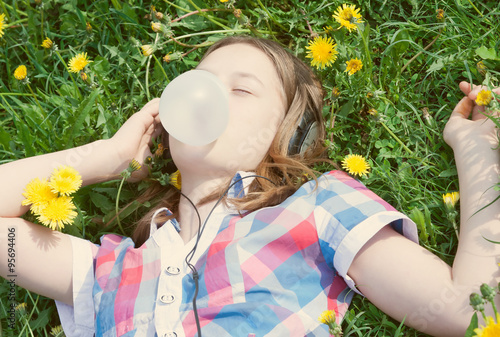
{"x": 349, "y": 215}
{"x": 78, "y": 320}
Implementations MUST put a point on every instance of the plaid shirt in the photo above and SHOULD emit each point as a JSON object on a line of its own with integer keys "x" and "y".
{"x": 269, "y": 272}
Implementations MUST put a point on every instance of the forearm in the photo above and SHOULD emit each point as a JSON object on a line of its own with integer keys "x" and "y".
{"x": 478, "y": 165}
{"x": 95, "y": 162}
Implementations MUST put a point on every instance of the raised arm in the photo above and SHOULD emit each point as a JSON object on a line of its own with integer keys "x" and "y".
{"x": 44, "y": 257}
{"x": 408, "y": 282}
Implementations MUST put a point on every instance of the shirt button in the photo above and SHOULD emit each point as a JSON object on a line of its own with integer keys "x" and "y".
{"x": 170, "y": 334}
{"x": 167, "y": 298}
{"x": 173, "y": 270}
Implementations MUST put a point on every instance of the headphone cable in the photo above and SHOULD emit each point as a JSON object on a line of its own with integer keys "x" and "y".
{"x": 201, "y": 228}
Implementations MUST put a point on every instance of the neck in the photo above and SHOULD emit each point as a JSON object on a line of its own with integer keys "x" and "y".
{"x": 196, "y": 188}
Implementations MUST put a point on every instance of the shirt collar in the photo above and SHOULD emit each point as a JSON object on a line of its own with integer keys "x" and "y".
{"x": 240, "y": 183}
{"x": 237, "y": 189}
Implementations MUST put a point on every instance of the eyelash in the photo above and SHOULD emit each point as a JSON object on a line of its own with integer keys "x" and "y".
{"x": 242, "y": 91}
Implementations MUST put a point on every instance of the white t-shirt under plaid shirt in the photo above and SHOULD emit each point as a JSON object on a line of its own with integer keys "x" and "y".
{"x": 271, "y": 272}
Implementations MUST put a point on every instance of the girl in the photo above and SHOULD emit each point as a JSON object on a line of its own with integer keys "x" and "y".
{"x": 243, "y": 249}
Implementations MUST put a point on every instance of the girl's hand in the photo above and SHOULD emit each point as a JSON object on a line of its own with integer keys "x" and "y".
{"x": 461, "y": 130}
{"x": 134, "y": 139}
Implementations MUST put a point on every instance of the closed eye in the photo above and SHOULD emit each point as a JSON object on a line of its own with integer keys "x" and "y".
{"x": 241, "y": 91}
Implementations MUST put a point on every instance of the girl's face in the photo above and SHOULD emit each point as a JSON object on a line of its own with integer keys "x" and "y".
{"x": 256, "y": 109}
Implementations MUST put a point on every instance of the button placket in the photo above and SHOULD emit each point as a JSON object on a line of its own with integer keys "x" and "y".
{"x": 169, "y": 295}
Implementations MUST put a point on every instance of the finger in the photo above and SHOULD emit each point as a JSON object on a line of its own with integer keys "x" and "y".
{"x": 463, "y": 109}
{"x": 466, "y": 87}
{"x": 152, "y": 107}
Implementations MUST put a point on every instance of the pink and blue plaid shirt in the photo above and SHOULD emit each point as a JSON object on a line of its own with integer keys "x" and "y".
{"x": 271, "y": 272}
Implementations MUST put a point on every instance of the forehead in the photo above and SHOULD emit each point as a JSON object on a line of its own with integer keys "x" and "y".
{"x": 241, "y": 57}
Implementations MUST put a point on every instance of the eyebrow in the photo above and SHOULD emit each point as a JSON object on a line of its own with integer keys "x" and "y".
{"x": 241, "y": 74}
{"x": 250, "y": 76}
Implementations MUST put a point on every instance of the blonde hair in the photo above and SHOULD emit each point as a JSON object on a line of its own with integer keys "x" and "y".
{"x": 302, "y": 92}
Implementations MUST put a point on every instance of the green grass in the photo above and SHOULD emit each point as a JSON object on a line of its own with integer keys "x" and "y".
{"x": 412, "y": 64}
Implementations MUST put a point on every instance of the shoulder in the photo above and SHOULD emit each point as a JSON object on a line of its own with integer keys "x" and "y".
{"x": 339, "y": 187}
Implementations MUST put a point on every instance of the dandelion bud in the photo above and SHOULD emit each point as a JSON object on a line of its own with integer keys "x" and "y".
{"x": 38, "y": 2}
{"x": 451, "y": 199}
{"x": 476, "y": 302}
{"x": 156, "y": 27}
{"x": 335, "y": 93}
{"x": 83, "y": 76}
{"x": 88, "y": 27}
{"x": 159, "y": 15}
{"x": 488, "y": 292}
{"x": 373, "y": 112}
{"x": 147, "y": 50}
{"x": 481, "y": 67}
{"x": 237, "y": 12}
{"x": 47, "y": 43}
{"x": 440, "y": 14}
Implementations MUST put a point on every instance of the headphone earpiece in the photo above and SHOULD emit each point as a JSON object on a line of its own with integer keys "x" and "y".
{"x": 304, "y": 135}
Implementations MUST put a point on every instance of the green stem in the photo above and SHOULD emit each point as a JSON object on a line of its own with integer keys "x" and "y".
{"x": 270, "y": 16}
{"x": 41, "y": 22}
{"x": 71, "y": 76}
{"x": 36, "y": 99}
{"x": 208, "y": 17}
{"x": 147, "y": 78}
{"x": 213, "y": 32}
{"x": 494, "y": 309}
{"x": 396, "y": 138}
{"x": 367, "y": 51}
{"x": 477, "y": 10}
{"x": 161, "y": 67}
{"x": 116, "y": 206}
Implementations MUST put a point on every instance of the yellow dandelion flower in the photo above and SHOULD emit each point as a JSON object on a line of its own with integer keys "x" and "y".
{"x": 484, "y": 97}
{"x": 78, "y": 62}
{"x": 2, "y": 24}
{"x": 156, "y": 27}
{"x": 21, "y": 306}
{"x": 47, "y": 43}
{"x": 20, "y": 72}
{"x": 327, "y": 317}
{"x": 88, "y": 27}
{"x": 65, "y": 180}
{"x": 492, "y": 328}
{"x": 356, "y": 165}
{"x": 147, "y": 50}
{"x": 223, "y": 1}
{"x": 450, "y": 199}
{"x": 373, "y": 112}
{"x": 56, "y": 331}
{"x": 353, "y": 66}
{"x": 348, "y": 16}
{"x": 38, "y": 194}
{"x": 58, "y": 213}
{"x": 322, "y": 51}
{"x": 176, "y": 180}
{"x": 166, "y": 58}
